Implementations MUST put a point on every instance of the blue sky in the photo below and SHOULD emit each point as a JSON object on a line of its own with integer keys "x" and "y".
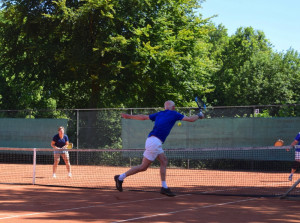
{"x": 278, "y": 19}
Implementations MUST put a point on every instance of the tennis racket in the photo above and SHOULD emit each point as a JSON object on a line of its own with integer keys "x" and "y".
{"x": 200, "y": 103}
{"x": 279, "y": 142}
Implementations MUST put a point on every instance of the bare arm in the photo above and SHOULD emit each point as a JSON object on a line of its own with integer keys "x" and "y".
{"x": 66, "y": 145}
{"x": 53, "y": 145}
{"x": 136, "y": 117}
{"x": 295, "y": 142}
{"x": 191, "y": 118}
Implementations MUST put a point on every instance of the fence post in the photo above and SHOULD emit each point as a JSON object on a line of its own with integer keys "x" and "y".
{"x": 34, "y": 166}
{"x": 77, "y": 129}
{"x": 77, "y": 134}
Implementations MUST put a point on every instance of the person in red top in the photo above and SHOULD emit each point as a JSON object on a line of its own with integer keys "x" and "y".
{"x": 164, "y": 122}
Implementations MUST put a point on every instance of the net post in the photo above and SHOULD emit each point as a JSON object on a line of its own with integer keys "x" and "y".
{"x": 34, "y": 166}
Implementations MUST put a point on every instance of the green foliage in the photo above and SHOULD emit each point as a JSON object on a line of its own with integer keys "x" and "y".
{"x": 77, "y": 53}
{"x": 108, "y": 53}
{"x": 264, "y": 114}
{"x": 252, "y": 74}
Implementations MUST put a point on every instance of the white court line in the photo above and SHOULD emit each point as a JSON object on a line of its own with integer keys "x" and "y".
{"x": 85, "y": 207}
{"x": 189, "y": 209}
{"x": 233, "y": 188}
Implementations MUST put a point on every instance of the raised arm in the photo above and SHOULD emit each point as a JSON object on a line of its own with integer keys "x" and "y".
{"x": 193, "y": 118}
{"x": 136, "y": 117}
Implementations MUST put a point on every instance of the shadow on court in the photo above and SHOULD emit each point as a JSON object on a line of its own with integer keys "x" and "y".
{"x": 21, "y": 203}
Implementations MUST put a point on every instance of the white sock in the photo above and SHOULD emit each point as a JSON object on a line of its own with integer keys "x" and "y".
{"x": 164, "y": 184}
{"x": 122, "y": 176}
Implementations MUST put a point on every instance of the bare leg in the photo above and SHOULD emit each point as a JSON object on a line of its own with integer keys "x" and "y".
{"x": 163, "y": 166}
{"x": 142, "y": 167}
{"x": 136, "y": 169}
{"x": 67, "y": 161}
{"x": 56, "y": 162}
{"x": 163, "y": 170}
{"x": 293, "y": 171}
{"x": 294, "y": 168}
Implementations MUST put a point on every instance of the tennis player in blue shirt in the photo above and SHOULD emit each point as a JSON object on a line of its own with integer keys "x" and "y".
{"x": 164, "y": 122}
{"x": 61, "y": 141}
{"x": 296, "y": 163}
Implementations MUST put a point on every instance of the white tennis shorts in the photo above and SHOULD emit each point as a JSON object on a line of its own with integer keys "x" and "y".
{"x": 153, "y": 147}
{"x": 297, "y": 155}
{"x": 63, "y": 153}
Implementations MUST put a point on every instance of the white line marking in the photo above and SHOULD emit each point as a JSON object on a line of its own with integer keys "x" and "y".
{"x": 85, "y": 207}
{"x": 189, "y": 209}
{"x": 233, "y": 188}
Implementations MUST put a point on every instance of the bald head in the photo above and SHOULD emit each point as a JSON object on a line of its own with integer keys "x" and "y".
{"x": 169, "y": 105}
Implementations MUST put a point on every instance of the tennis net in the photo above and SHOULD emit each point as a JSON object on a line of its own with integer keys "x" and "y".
{"x": 246, "y": 171}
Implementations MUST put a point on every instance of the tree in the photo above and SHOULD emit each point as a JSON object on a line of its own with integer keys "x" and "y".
{"x": 290, "y": 66}
{"x": 230, "y": 81}
{"x": 80, "y": 54}
{"x": 24, "y": 62}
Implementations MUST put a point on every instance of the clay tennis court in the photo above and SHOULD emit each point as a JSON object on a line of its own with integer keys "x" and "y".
{"x": 201, "y": 181}
{"x": 48, "y": 201}
{"x": 25, "y": 203}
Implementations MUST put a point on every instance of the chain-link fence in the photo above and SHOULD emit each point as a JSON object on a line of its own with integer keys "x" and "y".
{"x": 101, "y": 128}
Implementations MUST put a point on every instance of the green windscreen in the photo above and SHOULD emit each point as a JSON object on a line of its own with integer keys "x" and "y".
{"x": 215, "y": 132}
{"x": 29, "y": 133}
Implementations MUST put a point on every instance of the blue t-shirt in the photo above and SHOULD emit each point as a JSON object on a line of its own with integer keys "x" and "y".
{"x": 60, "y": 142}
{"x": 298, "y": 139}
{"x": 164, "y": 122}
